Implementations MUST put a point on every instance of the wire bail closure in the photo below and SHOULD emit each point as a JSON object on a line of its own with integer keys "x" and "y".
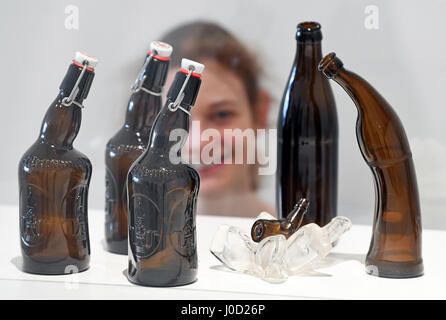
{"x": 137, "y": 86}
{"x": 68, "y": 101}
{"x": 174, "y": 106}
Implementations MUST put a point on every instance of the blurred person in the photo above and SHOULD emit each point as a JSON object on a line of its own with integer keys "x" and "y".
{"x": 230, "y": 98}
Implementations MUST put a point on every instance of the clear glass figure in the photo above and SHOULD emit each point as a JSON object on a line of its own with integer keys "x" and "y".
{"x": 275, "y": 258}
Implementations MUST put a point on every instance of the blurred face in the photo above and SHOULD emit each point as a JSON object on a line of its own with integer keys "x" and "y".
{"x": 222, "y": 103}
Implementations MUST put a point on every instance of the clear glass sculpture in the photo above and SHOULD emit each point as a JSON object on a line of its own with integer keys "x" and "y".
{"x": 275, "y": 258}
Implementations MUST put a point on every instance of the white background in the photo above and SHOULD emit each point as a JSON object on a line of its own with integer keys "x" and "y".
{"x": 403, "y": 59}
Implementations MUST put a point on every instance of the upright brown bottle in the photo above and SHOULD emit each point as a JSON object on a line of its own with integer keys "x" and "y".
{"x": 308, "y": 135}
{"x": 395, "y": 249}
{"x": 130, "y": 142}
{"x": 53, "y": 183}
{"x": 162, "y": 194}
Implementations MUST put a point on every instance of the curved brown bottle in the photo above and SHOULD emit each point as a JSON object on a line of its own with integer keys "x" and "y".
{"x": 263, "y": 228}
{"x": 53, "y": 182}
{"x": 162, "y": 194}
{"x": 130, "y": 142}
{"x": 395, "y": 249}
{"x": 307, "y": 147}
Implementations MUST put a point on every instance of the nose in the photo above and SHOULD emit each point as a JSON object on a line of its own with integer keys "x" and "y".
{"x": 200, "y": 137}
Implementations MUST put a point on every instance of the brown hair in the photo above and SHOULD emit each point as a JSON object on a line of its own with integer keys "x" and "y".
{"x": 199, "y": 40}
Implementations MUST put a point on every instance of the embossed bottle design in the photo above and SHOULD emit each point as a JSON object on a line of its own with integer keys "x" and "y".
{"x": 162, "y": 194}
{"x": 395, "y": 249}
{"x": 307, "y": 146}
{"x": 53, "y": 183}
{"x": 130, "y": 142}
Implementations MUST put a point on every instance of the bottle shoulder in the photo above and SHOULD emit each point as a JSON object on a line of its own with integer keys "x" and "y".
{"x": 42, "y": 155}
{"x": 314, "y": 90}
{"x": 127, "y": 140}
{"x": 151, "y": 169}
{"x": 303, "y": 103}
{"x": 308, "y": 118}
{"x": 125, "y": 136}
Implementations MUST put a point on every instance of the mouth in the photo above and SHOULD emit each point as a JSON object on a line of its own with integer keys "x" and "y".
{"x": 207, "y": 170}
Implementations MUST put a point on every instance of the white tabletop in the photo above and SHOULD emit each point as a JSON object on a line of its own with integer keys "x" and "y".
{"x": 344, "y": 278}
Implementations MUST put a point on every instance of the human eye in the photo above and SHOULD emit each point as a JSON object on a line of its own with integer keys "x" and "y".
{"x": 222, "y": 115}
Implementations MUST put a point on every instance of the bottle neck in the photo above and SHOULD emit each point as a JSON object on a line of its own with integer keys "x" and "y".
{"x": 61, "y": 123}
{"x": 308, "y": 55}
{"x": 145, "y": 102}
{"x": 353, "y": 85}
{"x": 63, "y": 119}
{"x": 169, "y": 126}
{"x": 153, "y": 74}
{"x": 295, "y": 217}
{"x": 380, "y": 133}
{"x": 359, "y": 90}
{"x": 141, "y": 112}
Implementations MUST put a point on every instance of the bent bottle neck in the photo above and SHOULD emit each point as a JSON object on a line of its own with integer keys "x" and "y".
{"x": 145, "y": 101}
{"x": 61, "y": 123}
{"x": 168, "y": 127}
{"x": 359, "y": 90}
{"x": 355, "y": 86}
{"x": 172, "y": 123}
{"x": 295, "y": 217}
{"x": 63, "y": 119}
{"x": 141, "y": 111}
{"x": 380, "y": 133}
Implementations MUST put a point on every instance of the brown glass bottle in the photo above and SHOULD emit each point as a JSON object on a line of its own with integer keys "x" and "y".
{"x": 395, "y": 249}
{"x": 130, "y": 142}
{"x": 53, "y": 183}
{"x": 162, "y": 195}
{"x": 262, "y": 228}
{"x": 307, "y": 135}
